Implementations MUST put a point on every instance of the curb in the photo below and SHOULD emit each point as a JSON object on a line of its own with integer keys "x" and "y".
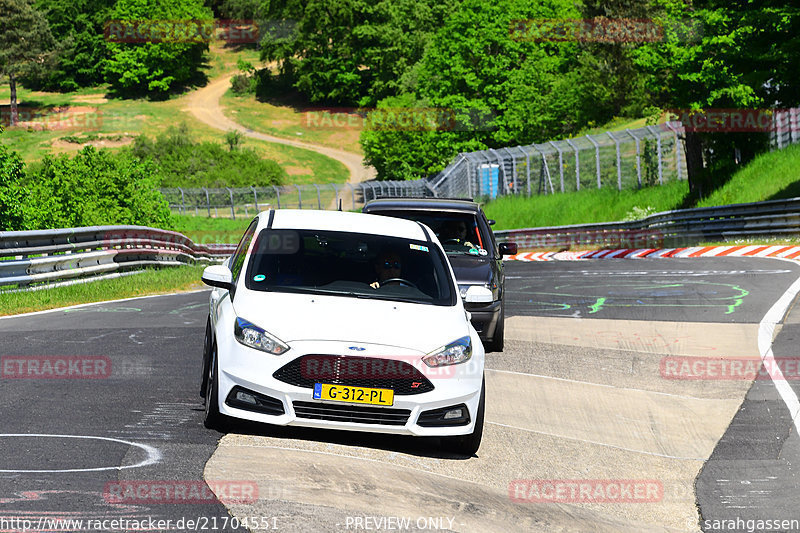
{"x": 782, "y": 252}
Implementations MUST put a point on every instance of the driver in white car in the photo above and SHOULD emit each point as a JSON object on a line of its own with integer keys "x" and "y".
{"x": 387, "y": 266}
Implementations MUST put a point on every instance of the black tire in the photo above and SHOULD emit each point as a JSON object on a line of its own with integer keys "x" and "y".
{"x": 212, "y": 418}
{"x": 206, "y": 356}
{"x": 497, "y": 342}
{"x": 468, "y": 444}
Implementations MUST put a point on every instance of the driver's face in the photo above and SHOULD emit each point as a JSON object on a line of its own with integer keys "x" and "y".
{"x": 388, "y": 266}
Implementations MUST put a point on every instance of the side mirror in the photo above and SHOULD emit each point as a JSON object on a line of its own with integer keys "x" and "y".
{"x": 491, "y": 222}
{"x": 478, "y": 295}
{"x": 218, "y": 276}
{"x": 508, "y": 248}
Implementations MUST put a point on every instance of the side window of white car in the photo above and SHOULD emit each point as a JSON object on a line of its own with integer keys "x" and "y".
{"x": 238, "y": 258}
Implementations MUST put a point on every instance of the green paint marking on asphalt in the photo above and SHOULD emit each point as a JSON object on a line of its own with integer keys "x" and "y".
{"x": 732, "y": 307}
{"x": 597, "y": 305}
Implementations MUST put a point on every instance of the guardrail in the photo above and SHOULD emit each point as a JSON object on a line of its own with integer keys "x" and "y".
{"x": 670, "y": 229}
{"x": 28, "y": 257}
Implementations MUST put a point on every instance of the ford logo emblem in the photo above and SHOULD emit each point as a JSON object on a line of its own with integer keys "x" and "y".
{"x": 357, "y": 348}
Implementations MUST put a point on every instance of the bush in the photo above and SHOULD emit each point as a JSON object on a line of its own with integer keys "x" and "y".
{"x": 13, "y": 194}
{"x": 182, "y": 162}
{"x": 94, "y": 188}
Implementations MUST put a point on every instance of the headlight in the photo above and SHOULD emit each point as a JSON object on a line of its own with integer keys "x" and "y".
{"x": 255, "y": 337}
{"x": 454, "y": 353}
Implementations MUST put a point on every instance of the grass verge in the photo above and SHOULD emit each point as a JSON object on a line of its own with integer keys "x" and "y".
{"x": 151, "y": 281}
{"x": 583, "y": 207}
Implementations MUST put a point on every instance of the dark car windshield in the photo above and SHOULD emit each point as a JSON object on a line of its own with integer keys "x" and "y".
{"x": 459, "y": 233}
{"x": 349, "y": 264}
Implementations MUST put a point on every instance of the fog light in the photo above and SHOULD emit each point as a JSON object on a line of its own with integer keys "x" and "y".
{"x": 453, "y": 413}
{"x": 246, "y": 398}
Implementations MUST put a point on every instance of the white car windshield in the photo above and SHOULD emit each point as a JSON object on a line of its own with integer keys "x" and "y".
{"x": 349, "y": 264}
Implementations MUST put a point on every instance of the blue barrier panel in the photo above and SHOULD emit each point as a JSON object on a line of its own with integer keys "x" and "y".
{"x": 489, "y": 180}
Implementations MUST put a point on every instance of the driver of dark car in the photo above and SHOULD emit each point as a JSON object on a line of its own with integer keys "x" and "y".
{"x": 455, "y": 232}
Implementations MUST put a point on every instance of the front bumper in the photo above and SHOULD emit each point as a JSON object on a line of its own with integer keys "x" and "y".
{"x": 252, "y": 370}
{"x": 485, "y": 318}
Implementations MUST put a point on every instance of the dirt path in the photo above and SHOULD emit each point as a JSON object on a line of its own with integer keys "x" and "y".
{"x": 204, "y": 104}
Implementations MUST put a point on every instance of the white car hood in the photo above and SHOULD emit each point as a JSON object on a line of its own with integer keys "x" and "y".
{"x": 304, "y": 317}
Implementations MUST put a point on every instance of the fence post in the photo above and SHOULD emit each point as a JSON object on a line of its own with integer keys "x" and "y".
{"x": 319, "y": 200}
{"x": 638, "y": 159}
{"x": 528, "y": 166}
{"x": 277, "y": 196}
{"x": 577, "y": 165}
{"x": 560, "y": 164}
{"x": 677, "y": 149}
{"x": 299, "y": 197}
{"x": 596, "y": 160}
{"x": 183, "y": 207}
{"x": 619, "y": 162}
{"x": 546, "y": 170}
{"x": 658, "y": 149}
{"x": 233, "y": 212}
{"x": 255, "y": 198}
{"x": 208, "y": 202}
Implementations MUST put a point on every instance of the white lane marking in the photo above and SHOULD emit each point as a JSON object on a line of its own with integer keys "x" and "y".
{"x": 766, "y": 330}
{"x": 599, "y": 443}
{"x": 153, "y": 454}
{"x": 78, "y": 306}
{"x": 609, "y": 386}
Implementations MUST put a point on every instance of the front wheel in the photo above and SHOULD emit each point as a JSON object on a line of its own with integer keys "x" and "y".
{"x": 212, "y": 418}
{"x": 469, "y": 444}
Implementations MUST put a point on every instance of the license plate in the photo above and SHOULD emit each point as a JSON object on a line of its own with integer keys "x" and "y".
{"x": 343, "y": 393}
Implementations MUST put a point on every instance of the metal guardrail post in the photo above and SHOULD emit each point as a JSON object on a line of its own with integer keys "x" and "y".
{"x": 619, "y": 161}
{"x": 577, "y": 165}
{"x": 638, "y": 158}
{"x": 299, "y": 197}
{"x": 560, "y": 163}
{"x": 277, "y": 196}
{"x": 255, "y": 198}
{"x": 233, "y": 212}
{"x": 596, "y": 160}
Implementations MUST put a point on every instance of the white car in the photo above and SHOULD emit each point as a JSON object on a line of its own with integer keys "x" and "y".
{"x": 347, "y": 321}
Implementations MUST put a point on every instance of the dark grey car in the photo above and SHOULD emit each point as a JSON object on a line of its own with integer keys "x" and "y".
{"x": 474, "y": 254}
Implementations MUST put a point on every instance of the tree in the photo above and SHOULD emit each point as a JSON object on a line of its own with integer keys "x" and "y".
{"x": 747, "y": 57}
{"x": 77, "y": 26}
{"x": 155, "y": 47}
{"x": 25, "y": 44}
{"x": 351, "y": 52}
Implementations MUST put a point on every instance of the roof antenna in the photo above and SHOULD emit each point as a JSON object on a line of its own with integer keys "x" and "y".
{"x": 340, "y": 204}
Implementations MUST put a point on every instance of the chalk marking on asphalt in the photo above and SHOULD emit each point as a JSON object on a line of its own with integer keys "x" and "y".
{"x": 153, "y": 454}
{"x": 766, "y": 329}
{"x": 598, "y": 443}
{"x": 55, "y": 310}
{"x": 609, "y": 386}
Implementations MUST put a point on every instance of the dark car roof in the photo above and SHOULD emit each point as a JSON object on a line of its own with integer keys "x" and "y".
{"x": 422, "y": 204}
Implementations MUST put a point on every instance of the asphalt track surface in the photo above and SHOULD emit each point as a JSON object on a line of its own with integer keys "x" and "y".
{"x": 589, "y": 406}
